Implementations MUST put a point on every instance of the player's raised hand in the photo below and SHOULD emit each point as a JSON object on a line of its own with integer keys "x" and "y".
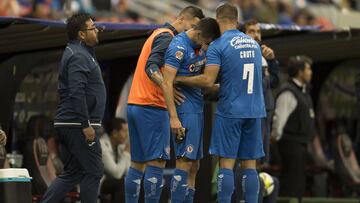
{"x": 267, "y": 52}
{"x": 179, "y": 98}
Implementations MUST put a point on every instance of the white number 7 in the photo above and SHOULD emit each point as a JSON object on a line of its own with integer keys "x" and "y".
{"x": 249, "y": 68}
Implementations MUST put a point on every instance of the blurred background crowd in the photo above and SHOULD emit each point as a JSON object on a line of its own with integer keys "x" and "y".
{"x": 328, "y": 14}
{"x": 333, "y": 167}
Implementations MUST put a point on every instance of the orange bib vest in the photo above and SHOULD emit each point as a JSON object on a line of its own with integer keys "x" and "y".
{"x": 144, "y": 91}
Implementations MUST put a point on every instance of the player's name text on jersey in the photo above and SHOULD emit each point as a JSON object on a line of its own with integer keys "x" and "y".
{"x": 247, "y": 54}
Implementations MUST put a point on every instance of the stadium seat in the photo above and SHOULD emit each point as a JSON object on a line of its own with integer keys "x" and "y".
{"x": 2, "y": 156}
{"x": 346, "y": 164}
{"x": 38, "y": 161}
{"x": 320, "y": 162}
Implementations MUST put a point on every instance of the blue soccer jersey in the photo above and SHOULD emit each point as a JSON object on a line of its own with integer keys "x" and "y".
{"x": 185, "y": 56}
{"x": 240, "y": 75}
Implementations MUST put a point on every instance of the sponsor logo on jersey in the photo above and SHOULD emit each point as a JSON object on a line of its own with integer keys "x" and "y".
{"x": 239, "y": 42}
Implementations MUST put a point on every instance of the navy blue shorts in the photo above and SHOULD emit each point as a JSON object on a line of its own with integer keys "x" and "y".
{"x": 192, "y": 146}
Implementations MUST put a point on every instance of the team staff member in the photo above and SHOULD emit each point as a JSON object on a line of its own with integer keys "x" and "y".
{"x": 184, "y": 57}
{"x": 148, "y": 118}
{"x": 293, "y": 126}
{"x": 80, "y": 111}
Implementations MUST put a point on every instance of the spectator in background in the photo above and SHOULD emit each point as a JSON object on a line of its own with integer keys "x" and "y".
{"x": 268, "y": 12}
{"x": 120, "y": 6}
{"x": 116, "y": 158}
{"x": 294, "y": 126}
{"x": 82, "y": 6}
{"x": 304, "y": 17}
{"x": 9, "y": 8}
{"x": 209, "y": 4}
{"x": 249, "y": 7}
{"x": 41, "y": 9}
{"x": 285, "y": 13}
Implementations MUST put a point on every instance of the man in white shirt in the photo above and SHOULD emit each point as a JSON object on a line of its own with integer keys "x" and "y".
{"x": 293, "y": 126}
{"x": 116, "y": 159}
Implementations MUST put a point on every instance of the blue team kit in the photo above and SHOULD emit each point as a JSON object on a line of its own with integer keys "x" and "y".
{"x": 237, "y": 129}
{"x": 189, "y": 60}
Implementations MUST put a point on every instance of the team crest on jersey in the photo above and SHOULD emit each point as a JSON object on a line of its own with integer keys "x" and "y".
{"x": 192, "y": 68}
{"x": 179, "y": 55}
{"x": 189, "y": 149}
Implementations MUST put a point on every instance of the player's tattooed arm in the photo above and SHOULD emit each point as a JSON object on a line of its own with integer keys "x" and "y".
{"x": 156, "y": 76}
{"x": 168, "y": 90}
{"x": 156, "y": 58}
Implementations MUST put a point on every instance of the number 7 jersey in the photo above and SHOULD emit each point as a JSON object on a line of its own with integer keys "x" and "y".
{"x": 240, "y": 75}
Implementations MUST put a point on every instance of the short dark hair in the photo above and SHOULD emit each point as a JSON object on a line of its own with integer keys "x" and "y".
{"x": 297, "y": 63}
{"x": 227, "y": 11}
{"x": 192, "y": 11}
{"x": 209, "y": 28}
{"x": 76, "y": 23}
{"x": 116, "y": 124}
{"x": 243, "y": 26}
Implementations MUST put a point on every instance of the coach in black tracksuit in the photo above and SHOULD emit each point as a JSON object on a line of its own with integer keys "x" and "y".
{"x": 293, "y": 126}
{"x": 81, "y": 107}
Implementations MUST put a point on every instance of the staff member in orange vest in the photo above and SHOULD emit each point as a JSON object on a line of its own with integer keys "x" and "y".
{"x": 148, "y": 119}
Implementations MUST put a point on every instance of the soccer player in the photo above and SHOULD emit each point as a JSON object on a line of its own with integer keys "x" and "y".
{"x": 270, "y": 79}
{"x": 237, "y": 128}
{"x": 148, "y": 119}
{"x": 184, "y": 57}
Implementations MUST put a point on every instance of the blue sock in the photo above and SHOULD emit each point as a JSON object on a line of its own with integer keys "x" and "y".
{"x": 132, "y": 185}
{"x": 250, "y": 185}
{"x": 179, "y": 186}
{"x": 190, "y": 195}
{"x": 225, "y": 185}
{"x": 153, "y": 184}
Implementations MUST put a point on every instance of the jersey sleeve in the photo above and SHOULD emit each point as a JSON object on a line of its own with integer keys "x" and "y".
{"x": 174, "y": 55}
{"x": 213, "y": 55}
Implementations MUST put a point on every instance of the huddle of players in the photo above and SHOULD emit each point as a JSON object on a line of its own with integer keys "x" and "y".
{"x": 174, "y": 69}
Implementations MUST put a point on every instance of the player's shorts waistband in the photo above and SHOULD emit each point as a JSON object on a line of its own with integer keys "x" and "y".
{"x": 148, "y": 106}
